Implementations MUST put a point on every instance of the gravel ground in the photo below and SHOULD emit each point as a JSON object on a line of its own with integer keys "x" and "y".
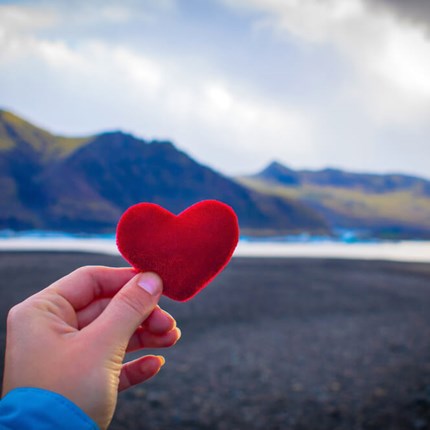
{"x": 277, "y": 344}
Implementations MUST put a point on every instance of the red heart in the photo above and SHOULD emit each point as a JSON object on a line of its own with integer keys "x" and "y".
{"x": 187, "y": 250}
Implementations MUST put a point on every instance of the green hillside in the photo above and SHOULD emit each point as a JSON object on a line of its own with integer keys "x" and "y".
{"x": 15, "y": 130}
{"x": 392, "y": 206}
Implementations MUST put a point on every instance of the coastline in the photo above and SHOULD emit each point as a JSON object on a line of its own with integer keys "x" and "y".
{"x": 403, "y": 251}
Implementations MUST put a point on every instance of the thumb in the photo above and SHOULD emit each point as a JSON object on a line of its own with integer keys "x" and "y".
{"x": 132, "y": 305}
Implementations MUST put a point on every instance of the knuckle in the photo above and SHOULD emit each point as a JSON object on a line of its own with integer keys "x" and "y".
{"x": 84, "y": 270}
{"x": 173, "y": 339}
{"x": 127, "y": 377}
{"x": 15, "y": 314}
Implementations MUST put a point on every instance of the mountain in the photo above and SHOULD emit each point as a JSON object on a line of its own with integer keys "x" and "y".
{"x": 391, "y": 205}
{"x": 371, "y": 183}
{"x": 85, "y": 184}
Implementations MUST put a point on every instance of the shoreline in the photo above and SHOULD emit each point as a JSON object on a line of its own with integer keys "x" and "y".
{"x": 407, "y": 251}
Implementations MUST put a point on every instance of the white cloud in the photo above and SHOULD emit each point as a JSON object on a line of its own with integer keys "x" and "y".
{"x": 116, "y": 13}
{"x": 255, "y": 126}
{"x": 25, "y": 18}
{"x": 63, "y": 68}
{"x": 17, "y": 23}
{"x": 390, "y": 56}
{"x": 397, "y": 88}
{"x": 218, "y": 121}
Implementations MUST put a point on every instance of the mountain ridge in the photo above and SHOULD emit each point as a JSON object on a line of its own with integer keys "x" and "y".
{"x": 341, "y": 177}
{"x": 84, "y": 184}
{"x": 389, "y": 205}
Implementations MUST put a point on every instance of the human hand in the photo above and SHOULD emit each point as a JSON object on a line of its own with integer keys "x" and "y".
{"x": 72, "y": 337}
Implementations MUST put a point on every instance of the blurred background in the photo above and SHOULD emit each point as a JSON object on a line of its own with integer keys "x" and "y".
{"x": 310, "y": 118}
{"x": 307, "y": 116}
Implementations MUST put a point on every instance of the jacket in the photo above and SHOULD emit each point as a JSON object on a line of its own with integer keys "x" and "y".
{"x": 38, "y": 409}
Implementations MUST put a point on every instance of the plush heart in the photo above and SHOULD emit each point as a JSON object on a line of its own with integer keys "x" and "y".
{"x": 187, "y": 250}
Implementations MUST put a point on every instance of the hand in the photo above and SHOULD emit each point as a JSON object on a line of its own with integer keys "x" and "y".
{"x": 71, "y": 337}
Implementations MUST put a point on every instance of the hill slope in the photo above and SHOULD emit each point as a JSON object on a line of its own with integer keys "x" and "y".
{"x": 84, "y": 184}
{"x": 391, "y": 205}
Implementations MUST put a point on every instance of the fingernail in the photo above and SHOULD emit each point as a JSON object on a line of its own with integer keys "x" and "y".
{"x": 162, "y": 359}
{"x": 151, "y": 283}
{"x": 179, "y": 332}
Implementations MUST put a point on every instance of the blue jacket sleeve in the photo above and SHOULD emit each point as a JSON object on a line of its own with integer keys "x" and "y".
{"x": 34, "y": 408}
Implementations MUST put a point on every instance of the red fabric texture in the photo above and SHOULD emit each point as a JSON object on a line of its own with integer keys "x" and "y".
{"x": 187, "y": 250}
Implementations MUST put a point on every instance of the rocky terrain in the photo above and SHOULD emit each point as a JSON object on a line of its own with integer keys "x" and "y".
{"x": 277, "y": 344}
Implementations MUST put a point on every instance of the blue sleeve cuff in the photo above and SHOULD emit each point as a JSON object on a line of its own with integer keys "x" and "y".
{"x": 35, "y": 408}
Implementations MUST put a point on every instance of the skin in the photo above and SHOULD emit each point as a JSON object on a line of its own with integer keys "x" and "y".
{"x": 72, "y": 337}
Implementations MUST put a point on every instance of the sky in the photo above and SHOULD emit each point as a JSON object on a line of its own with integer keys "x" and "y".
{"x": 234, "y": 83}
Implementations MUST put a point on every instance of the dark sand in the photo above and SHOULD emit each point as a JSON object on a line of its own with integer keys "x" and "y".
{"x": 277, "y": 344}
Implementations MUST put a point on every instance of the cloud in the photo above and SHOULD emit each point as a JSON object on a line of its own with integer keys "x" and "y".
{"x": 375, "y": 117}
{"x": 102, "y": 84}
{"x": 24, "y": 19}
{"x": 309, "y": 82}
{"x": 390, "y": 57}
{"x": 417, "y": 11}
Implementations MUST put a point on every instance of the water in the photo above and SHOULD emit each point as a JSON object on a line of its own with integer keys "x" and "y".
{"x": 303, "y": 247}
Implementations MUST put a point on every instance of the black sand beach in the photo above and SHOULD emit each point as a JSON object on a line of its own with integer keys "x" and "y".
{"x": 277, "y": 344}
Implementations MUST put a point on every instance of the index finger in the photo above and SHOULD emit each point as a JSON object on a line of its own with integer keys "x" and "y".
{"x": 84, "y": 285}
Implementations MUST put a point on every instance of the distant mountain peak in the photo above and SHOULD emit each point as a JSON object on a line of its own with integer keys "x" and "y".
{"x": 18, "y": 133}
{"x": 8, "y": 118}
{"x": 113, "y": 133}
{"x": 276, "y": 165}
{"x": 278, "y": 172}
{"x": 162, "y": 142}
{"x": 15, "y": 130}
